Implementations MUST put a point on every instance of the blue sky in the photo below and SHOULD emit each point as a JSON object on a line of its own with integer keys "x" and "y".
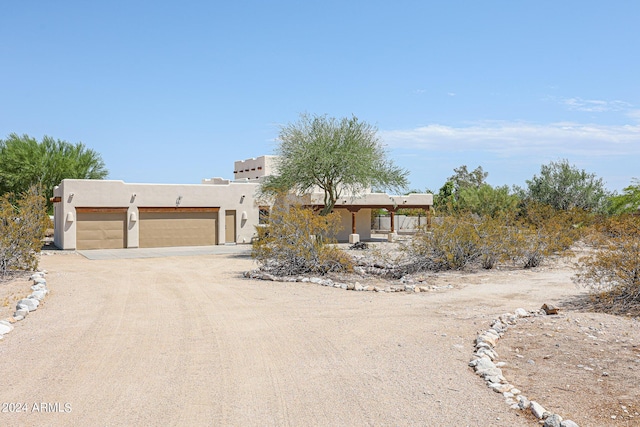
{"x": 173, "y": 92}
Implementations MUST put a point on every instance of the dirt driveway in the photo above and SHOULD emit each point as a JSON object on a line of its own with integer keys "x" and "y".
{"x": 187, "y": 341}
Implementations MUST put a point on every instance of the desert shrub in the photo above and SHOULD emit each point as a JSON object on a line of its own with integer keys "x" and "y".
{"x": 22, "y": 228}
{"x": 297, "y": 240}
{"x": 612, "y": 270}
{"x": 452, "y": 244}
{"x": 496, "y": 241}
{"x": 543, "y": 230}
{"x": 465, "y": 239}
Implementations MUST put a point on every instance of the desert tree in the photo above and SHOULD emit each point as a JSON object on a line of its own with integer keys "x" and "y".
{"x": 340, "y": 156}
{"x": 25, "y": 162}
{"x": 628, "y": 201}
{"x": 564, "y": 186}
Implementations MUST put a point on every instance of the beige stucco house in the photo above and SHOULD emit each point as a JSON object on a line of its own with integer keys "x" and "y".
{"x": 102, "y": 214}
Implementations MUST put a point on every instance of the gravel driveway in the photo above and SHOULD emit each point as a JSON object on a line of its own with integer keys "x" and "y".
{"x": 187, "y": 341}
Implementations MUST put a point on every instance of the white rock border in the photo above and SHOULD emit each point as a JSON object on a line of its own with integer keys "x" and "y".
{"x": 486, "y": 365}
{"x": 357, "y": 286}
{"x": 28, "y": 304}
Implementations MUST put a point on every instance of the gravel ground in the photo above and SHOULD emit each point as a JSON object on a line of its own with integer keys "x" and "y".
{"x": 177, "y": 340}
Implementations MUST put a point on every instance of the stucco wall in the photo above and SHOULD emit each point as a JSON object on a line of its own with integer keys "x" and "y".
{"x": 118, "y": 194}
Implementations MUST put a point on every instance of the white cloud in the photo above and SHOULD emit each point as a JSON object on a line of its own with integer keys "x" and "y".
{"x": 595, "y": 105}
{"x": 634, "y": 114}
{"x": 508, "y": 139}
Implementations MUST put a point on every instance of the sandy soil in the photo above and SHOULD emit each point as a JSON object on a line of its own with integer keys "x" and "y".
{"x": 187, "y": 340}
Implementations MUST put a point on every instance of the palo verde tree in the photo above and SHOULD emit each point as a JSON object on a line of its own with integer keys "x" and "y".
{"x": 340, "y": 156}
{"x": 25, "y": 162}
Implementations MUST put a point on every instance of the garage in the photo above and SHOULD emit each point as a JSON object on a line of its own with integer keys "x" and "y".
{"x": 101, "y": 228}
{"x": 166, "y": 227}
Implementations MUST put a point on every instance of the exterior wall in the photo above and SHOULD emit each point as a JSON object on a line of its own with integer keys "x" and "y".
{"x": 254, "y": 168}
{"x": 238, "y": 196}
{"x": 363, "y": 224}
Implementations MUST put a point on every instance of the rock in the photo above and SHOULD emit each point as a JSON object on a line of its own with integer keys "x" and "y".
{"x": 483, "y": 364}
{"x": 523, "y": 402}
{"x": 5, "y": 328}
{"x": 38, "y": 287}
{"x": 409, "y": 288}
{"x": 488, "y": 338}
{"x": 351, "y": 286}
{"x": 488, "y": 352}
{"x": 521, "y": 312}
{"x": 492, "y": 378}
{"x": 36, "y": 275}
{"x": 41, "y": 280}
{"x": 17, "y": 318}
{"x": 499, "y": 387}
{"x": 39, "y": 295}
{"x": 30, "y": 303}
{"x": 552, "y": 420}
{"x": 22, "y": 313}
{"x": 537, "y": 410}
{"x": 549, "y": 309}
{"x": 358, "y": 287}
{"x": 568, "y": 423}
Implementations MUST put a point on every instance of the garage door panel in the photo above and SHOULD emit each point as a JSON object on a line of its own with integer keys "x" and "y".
{"x": 97, "y": 230}
{"x": 166, "y": 229}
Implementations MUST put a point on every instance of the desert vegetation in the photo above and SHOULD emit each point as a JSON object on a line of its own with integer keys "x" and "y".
{"x": 296, "y": 240}
{"x": 478, "y": 226}
{"x": 23, "y": 223}
{"x": 611, "y": 268}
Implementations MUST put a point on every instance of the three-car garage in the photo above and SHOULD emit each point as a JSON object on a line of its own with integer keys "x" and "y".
{"x": 107, "y": 228}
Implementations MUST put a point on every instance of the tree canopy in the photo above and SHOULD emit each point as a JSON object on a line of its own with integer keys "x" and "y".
{"x": 340, "y": 156}
{"x": 25, "y": 162}
{"x": 564, "y": 186}
{"x": 628, "y": 201}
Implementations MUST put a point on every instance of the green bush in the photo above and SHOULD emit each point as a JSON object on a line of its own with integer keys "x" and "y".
{"x": 22, "y": 228}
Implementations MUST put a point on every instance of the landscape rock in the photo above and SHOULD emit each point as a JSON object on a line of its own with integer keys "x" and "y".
{"x": 523, "y": 402}
{"x": 39, "y": 295}
{"x": 38, "y": 287}
{"x": 549, "y": 309}
{"x": 552, "y": 420}
{"x": 568, "y": 423}
{"x": 41, "y": 280}
{"x": 22, "y": 313}
{"x": 537, "y": 410}
{"x": 30, "y": 303}
{"x": 5, "y": 328}
{"x": 37, "y": 275}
